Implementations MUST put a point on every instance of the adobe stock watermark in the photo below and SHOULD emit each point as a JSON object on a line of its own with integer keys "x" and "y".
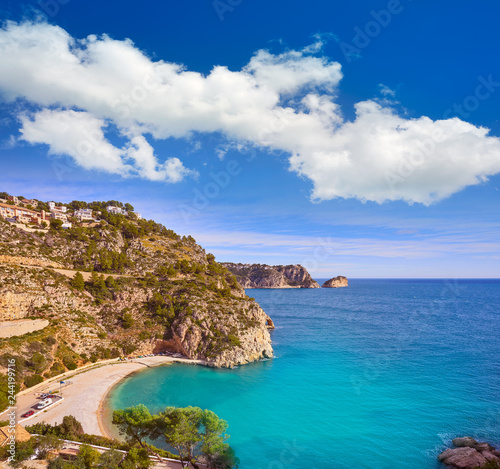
{"x": 425, "y": 148}
{"x": 137, "y": 95}
{"x": 288, "y": 455}
{"x": 322, "y": 252}
{"x": 484, "y": 90}
{"x": 222, "y": 7}
{"x": 202, "y": 196}
{"x": 51, "y": 7}
{"x": 12, "y": 409}
{"x": 366, "y": 34}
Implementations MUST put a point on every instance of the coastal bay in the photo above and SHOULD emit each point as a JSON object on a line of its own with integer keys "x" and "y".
{"x": 375, "y": 374}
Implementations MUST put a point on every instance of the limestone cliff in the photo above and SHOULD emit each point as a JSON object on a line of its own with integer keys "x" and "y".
{"x": 336, "y": 282}
{"x": 146, "y": 290}
{"x": 271, "y": 276}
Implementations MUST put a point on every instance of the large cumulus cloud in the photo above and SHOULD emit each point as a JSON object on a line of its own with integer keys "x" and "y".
{"x": 79, "y": 88}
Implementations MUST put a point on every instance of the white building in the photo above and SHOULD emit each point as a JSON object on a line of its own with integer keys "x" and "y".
{"x": 58, "y": 215}
{"x": 138, "y": 215}
{"x": 113, "y": 209}
{"x": 84, "y": 214}
{"x": 52, "y": 206}
{"x": 66, "y": 225}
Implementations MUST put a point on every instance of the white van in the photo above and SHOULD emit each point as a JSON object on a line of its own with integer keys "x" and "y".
{"x": 44, "y": 403}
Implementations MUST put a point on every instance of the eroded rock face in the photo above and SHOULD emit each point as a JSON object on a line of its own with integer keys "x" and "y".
{"x": 336, "y": 282}
{"x": 271, "y": 276}
{"x": 468, "y": 454}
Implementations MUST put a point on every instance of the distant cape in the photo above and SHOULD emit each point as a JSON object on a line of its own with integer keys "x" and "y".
{"x": 271, "y": 276}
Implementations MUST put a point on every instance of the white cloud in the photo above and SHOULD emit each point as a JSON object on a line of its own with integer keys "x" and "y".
{"x": 386, "y": 91}
{"x": 81, "y": 136}
{"x": 284, "y": 102}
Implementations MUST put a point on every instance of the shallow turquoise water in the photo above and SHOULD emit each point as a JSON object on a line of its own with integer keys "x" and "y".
{"x": 377, "y": 375}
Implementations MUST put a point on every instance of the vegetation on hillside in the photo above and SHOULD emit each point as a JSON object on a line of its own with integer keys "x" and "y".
{"x": 137, "y": 288}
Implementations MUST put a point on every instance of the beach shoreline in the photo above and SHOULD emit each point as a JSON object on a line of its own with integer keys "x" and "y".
{"x": 86, "y": 397}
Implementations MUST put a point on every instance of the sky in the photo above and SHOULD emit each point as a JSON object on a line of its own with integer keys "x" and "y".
{"x": 355, "y": 138}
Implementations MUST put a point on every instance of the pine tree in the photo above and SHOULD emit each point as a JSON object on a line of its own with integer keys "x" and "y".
{"x": 78, "y": 282}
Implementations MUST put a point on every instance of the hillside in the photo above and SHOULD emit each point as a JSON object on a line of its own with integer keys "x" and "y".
{"x": 147, "y": 290}
{"x": 271, "y": 276}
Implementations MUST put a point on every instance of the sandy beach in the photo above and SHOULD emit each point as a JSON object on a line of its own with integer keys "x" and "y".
{"x": 85, "y": 396}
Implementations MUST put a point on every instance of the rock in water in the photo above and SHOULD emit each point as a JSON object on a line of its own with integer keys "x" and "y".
{"x": 336, "y": 282}
{"x": 462, "y": 458}
{"x": 468, "y": 454}
{"x": 464, "y": 441}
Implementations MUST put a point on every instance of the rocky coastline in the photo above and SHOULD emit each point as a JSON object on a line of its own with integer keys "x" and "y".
{"x": 271, "y": 276}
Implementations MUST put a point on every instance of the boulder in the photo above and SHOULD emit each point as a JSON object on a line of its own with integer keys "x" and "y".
{"x": 489, "y": 456}
{"x": 336, "y": 282}
{"x": 481, "y": 447}
{"x": 462, "y": 458}
{"x": 464, "y": 441}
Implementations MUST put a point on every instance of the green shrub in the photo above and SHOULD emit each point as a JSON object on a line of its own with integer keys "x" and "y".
{"x": 33, "y": 380}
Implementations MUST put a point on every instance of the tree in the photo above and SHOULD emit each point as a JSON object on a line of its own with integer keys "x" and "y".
{"x": 127, "y": 321}
{"x": 47, "y": 443}
{"x": 24, "y": 451}
{"x": 213, "y": 446}
{"x": 87, "y": 456}
{"x": 180, "y": 428}
{"x": 135, "y": 423}
{"x": 56, "y": 224}
{"x": 137, "y": 458}
{"x": 129, "y": 207}
{"x": 110, "y": 459}
{"x": 70, "y": 427}
{"x": 78, "y": 282}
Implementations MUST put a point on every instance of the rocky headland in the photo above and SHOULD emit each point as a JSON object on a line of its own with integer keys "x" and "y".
{"x": 470, "y": 454}
{"x": 271, "y": 276}
{"x": 336, "y": 282}
{"x": 145, "y": 290}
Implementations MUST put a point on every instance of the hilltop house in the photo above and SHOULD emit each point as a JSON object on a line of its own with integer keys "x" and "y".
{"x": 62, "y": 208}
{"x": 83, "y": 214}
{"x": 113, "y": 209}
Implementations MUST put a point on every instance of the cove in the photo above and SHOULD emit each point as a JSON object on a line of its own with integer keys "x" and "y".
{"x": 381, "y": 374}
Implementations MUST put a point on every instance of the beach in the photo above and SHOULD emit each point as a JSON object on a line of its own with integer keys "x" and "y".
{"x": 85, "y": 396}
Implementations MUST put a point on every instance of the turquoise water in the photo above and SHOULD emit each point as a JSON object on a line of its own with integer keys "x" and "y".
{"x": 377, "y": 375}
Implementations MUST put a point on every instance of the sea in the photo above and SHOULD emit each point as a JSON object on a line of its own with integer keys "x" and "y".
{"x": 381, "y": 374}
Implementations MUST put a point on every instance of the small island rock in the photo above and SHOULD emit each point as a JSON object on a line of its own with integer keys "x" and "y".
{"x": 336, "y": 282}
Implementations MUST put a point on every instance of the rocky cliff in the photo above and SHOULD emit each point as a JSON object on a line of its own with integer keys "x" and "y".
{"x": 336, "y": 282}
{"x": 147, "y": 290}
{"x": 271, "y": 276}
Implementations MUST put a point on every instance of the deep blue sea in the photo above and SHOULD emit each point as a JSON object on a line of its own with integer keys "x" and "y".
{"x": 382, "y": 374}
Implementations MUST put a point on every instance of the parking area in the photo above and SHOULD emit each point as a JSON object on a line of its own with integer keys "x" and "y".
{"x": 43, "y": 402}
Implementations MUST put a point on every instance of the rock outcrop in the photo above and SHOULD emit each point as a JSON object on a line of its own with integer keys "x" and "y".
{"x": 271, "y": 276}
{"x": 336, "y": 282}
{"x": 469, "y": 454}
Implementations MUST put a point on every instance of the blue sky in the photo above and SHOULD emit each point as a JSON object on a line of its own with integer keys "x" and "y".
{"x": 355, "y": 138}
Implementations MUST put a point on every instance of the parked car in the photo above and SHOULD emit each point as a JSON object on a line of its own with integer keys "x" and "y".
{"x": 44, "y": 403}
{"x": 28, "y": 414}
